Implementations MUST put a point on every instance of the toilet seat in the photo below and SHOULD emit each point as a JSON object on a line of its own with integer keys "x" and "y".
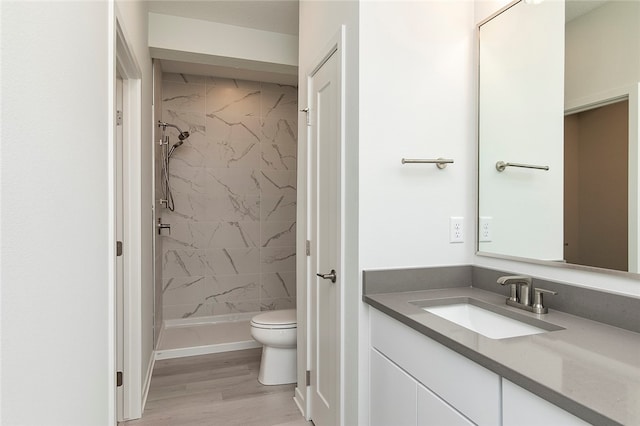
{"x": 276, "y": 320}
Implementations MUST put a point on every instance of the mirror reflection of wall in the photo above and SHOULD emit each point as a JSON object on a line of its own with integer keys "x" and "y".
{"x": 598, "y": 165}
{"x": 521, "y": 106}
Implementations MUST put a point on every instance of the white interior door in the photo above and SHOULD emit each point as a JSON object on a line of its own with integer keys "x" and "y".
{"x": 324, "y": 294}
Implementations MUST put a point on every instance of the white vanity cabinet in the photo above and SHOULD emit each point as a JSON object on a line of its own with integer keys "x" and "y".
{"x": 434, "y": 411}
{"x": 417, "y": 381}
{"x": 397, "y": 399}
{"x": 457, "y": 387}
{"x": 393, "y": 396}
{"x": 522, "y": 408}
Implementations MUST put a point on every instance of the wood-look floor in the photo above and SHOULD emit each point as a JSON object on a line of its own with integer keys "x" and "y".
{"x": 217, "y": 390}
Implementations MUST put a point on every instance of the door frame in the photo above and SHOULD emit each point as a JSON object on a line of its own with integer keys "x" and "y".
{"x": 305, "y": 273}
{"x": 131, "y": 340}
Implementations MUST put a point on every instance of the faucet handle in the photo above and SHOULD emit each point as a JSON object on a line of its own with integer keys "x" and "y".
{"x": 538, "y": 307}
{"x": 514, "y": 281}
{"x": 513, "y": 292}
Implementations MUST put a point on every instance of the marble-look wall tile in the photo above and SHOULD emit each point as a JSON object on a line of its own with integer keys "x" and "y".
{"x": 233, "y": 207}
{"x": 232, "y": 243}
{"x": 276, "y": 259}
{"x": 278, "y": 285}
{"x": 278, "y": 234}
{"x": 184, "y": 311}
{"x": 279, "y": 303}
{"x": 223, "y": 182}
{"x": 228, "y": 261}
{"x": 279, "y": 131}
{"x": 183, "y": 78}
{"x": 230, "y": 104}
{"x": 233, "y": 144}
{"x": 230, "y": 234}
{"x": 278, "y": 156}
{"x": 278, "y": 208}
{"x": 184, "y": 290}
{"x": 225, "y": 308}
{"x": 233, "y": 288}
{"x": 184, "y": 263}
{"x": 278, "y": 101}
{"x": 232, "y": 84}
{"x": 183, "y": 97}
{"x": 274, "y": 183}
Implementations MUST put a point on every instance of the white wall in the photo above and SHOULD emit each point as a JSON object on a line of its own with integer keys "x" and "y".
{"x": 132, "y": 16}
{"x": 602, "y": 50}
{"x": 416, "y": 97}
{"x": 57, "y": 257}
{"x": 521, "y": 121}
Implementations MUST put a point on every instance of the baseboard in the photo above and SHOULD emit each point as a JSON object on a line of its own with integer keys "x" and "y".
{"x": 298, "y": 398}
{"x": 147, "y": 381}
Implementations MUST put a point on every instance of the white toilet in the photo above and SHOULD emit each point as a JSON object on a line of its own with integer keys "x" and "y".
{"x": 277, "y": 331}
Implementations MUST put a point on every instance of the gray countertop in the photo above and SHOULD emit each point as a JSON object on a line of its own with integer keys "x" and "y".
{"x": 589, "y": 369}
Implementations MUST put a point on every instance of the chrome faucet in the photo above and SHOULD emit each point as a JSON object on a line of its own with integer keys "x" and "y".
{"x": 520, "y": 293}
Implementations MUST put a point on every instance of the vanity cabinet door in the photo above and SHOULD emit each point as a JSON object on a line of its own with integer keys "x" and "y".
{"x": 434, "y": 411}
{"x": 393, "y": 394}
{"x": 522, "y": 408}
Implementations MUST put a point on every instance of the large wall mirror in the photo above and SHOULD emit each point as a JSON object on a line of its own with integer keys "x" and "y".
{"x": 558, "y": 137}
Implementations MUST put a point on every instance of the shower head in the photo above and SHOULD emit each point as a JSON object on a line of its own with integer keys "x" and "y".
{"x": 182, "y": 136}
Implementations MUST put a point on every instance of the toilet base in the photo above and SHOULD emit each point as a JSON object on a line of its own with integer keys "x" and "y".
{"x": 278, "y": 366}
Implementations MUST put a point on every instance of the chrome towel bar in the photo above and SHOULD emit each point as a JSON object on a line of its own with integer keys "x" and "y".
{"x": 501, "y": 165}
{"x": 441, "y": 163}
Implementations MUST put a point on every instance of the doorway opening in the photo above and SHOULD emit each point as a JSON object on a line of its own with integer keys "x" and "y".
{"x": 596, "y": 189}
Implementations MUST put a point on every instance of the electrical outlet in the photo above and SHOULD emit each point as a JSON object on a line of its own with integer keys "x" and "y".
{"x": 456, "y": 230}
{"x": 484, "y": 233}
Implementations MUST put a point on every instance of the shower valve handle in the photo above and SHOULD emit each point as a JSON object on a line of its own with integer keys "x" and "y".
{"x": 162, "y": 226}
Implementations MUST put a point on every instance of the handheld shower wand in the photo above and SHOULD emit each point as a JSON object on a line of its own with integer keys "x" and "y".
{"x": 167, "y": 152}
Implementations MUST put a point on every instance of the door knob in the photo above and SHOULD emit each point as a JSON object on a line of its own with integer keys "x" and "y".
{"x": 330, "y": 276}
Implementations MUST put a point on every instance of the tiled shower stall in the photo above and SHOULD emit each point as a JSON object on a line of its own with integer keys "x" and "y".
{"x": 232, "y": 242}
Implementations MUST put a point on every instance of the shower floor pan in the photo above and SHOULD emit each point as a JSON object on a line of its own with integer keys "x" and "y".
{"x": 204, "y": 337}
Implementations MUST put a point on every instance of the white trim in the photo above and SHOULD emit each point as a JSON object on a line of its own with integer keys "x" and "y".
{"x": 298, "y": 398}
{"x": 594, "y": 100}
{"x": 132, "y": 181}
{"x": 147, "y": 382}
{"x": 111, "y": 218}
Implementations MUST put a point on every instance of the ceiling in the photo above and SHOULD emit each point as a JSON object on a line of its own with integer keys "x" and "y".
{"x": 576, "y": 8}
{"x": 280, "y": 16}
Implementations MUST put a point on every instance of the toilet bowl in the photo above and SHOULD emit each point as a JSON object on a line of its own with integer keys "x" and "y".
{"x": 277, "y": 331}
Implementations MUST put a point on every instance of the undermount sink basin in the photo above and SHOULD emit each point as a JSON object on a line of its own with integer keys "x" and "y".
{"x": 486, "y": 319}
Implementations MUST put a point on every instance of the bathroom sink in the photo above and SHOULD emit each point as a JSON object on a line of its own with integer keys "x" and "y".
{"x": 489, "y": 320}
